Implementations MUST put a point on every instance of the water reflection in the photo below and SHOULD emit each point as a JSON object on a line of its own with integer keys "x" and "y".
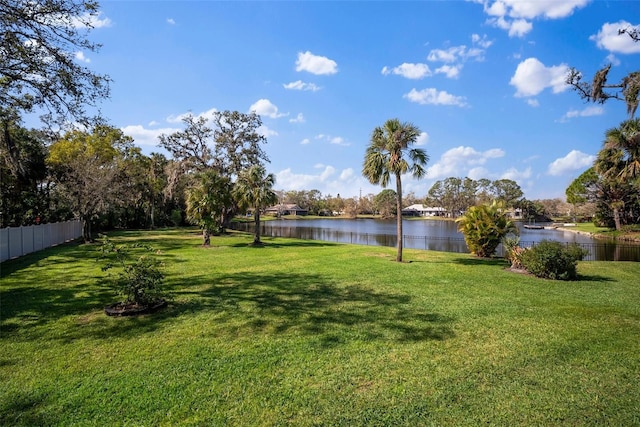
{"x": 429, "y": 235}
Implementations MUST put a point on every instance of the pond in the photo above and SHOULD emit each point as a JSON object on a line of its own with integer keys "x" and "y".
{"x": 438, "y": 235}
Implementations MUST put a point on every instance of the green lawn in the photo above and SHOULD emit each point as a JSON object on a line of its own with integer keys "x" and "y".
{"x": 314, "y": 333}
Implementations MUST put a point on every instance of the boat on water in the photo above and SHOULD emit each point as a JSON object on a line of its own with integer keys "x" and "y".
{"x": 533, "y": 227}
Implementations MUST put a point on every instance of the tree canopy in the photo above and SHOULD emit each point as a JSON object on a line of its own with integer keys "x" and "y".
{"x": 39, "y": 69}
{"x": 87, "y": 169}
{"x": 254, "y": 189}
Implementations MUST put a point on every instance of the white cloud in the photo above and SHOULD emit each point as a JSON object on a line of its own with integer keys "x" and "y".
{"x": 294, "y": 181}
{"x": 573, "y": 161}
{"x": 456, "y": 161}
{"x": 516, "y": 27}
{"x": 180, "y": 117}
{"x": 305, "y": 141}
{"x": 593, "y": 110}
{"x": 266, "y": 132}
{"x": 264, "y": 107}
{"x": 300, "y": 85}
{"x": 80, "y": 57}
{"x": 478, "y": 173}
{"x": 515, "y": 15}
{"x": 613, "y": 60}
{"x": 297, "y": 119}
{"x": 327, "y": 180}
{"x": 455, "y": 56}
{"x": 346, "y": 174}
{"x": 171, "y": 21}
{"x": 338, "y": 140}
{"x": 450, "y": 55}
{"x": 144, "y": 136}
{"x": 483, "y": 42}
{"x": 423, "y": 139}
{"x": 315, "y": 64}
{"x": 451, "y": 71}
{"x": 94, "y": 21}
{"x": 533, "y": 102}
{"x": 458, "y": 53}
{"x": 608, "y": 38}
{"x": 551, "y": 9}
{"x": 516, "y": 175}
{"x": 335, "y": 140}
{"x": 409, "y": 70}
{"x": 434, "y": 97}
{"x": 532, "y": 77}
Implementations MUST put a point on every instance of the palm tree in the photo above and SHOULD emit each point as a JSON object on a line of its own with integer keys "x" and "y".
{"x": 206, "y": 201}
{"x": 619, "y": 163}
{"x": 384, "y": 158}
{"x": 626, "y": 140}
{"x": 254, "y": 189}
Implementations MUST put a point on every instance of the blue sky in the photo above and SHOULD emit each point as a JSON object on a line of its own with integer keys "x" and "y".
{"x": 483, "y": 80}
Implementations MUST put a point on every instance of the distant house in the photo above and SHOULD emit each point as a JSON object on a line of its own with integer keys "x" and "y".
{"x": 514, "y": 213}
{"x": 286, "y": 209}
{"x": 422, "y": 210}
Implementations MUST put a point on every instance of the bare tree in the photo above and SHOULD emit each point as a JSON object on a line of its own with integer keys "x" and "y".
{"x": 599, "y": 90}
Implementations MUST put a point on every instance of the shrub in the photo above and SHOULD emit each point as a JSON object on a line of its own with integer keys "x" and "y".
{"x": 483, "y": 228}
{"x": 513, "y": 252}
{"x": 140, "y": 279}
{"x": 553, "y": 260}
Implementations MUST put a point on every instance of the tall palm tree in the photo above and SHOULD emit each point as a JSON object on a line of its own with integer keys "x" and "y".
{"x": 619, "y": 163}
{"x": 384, "y": 158}
{"x": 254, "y": 189}
{"x": 626, "y": 140}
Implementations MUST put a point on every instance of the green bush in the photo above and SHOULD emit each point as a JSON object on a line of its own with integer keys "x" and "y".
{"x": 484, "y": 226}
{"x": 553, "y": 260}
{"x": 140, "y": 279}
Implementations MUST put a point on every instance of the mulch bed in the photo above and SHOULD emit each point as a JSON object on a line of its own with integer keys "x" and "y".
{"x": 133, "y": 309}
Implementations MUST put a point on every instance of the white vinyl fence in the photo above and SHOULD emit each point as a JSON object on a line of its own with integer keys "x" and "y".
{"x": 19, "y": 241}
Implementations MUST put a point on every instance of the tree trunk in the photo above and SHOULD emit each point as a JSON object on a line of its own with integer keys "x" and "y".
{"x": 206, "y": 236}
{"x": 86, "y": 229}
{"x": 256, "y": 237}
{"x": 399, "y": 216}
{"x": 616, "y": 218}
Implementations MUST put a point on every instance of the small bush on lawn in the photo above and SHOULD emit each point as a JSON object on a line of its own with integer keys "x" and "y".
{"x": 553, "y": 260}
{"x": 140, "y": 279}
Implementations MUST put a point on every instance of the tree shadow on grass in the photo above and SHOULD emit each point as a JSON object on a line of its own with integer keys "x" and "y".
{"x": 27, "y": 409}
{"x": 281, "y": 243}
{"x": 312, "y": 305}
{"x": 594, "y": 278}
{"x": 242, "y": 304}
{"x": 481, "y": 261}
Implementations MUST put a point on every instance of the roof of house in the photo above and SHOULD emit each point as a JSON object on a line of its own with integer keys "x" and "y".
{"x": 286, "y": 207}
{"x": 421, "y": 207}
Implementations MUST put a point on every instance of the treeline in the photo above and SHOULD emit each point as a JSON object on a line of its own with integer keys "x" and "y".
{"x": 612, "y": 184}
{"x": 98, "y": 176}
{"x": 102, "y": 178}
{"x": 453, "y": 194}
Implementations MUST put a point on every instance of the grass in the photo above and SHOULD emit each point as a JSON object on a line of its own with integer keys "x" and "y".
{"x": 313, "y": 333}
{"x": 629, "y": 233}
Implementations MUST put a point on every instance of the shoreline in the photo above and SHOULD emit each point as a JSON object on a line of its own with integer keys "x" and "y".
{"x": 627, "y": 237}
